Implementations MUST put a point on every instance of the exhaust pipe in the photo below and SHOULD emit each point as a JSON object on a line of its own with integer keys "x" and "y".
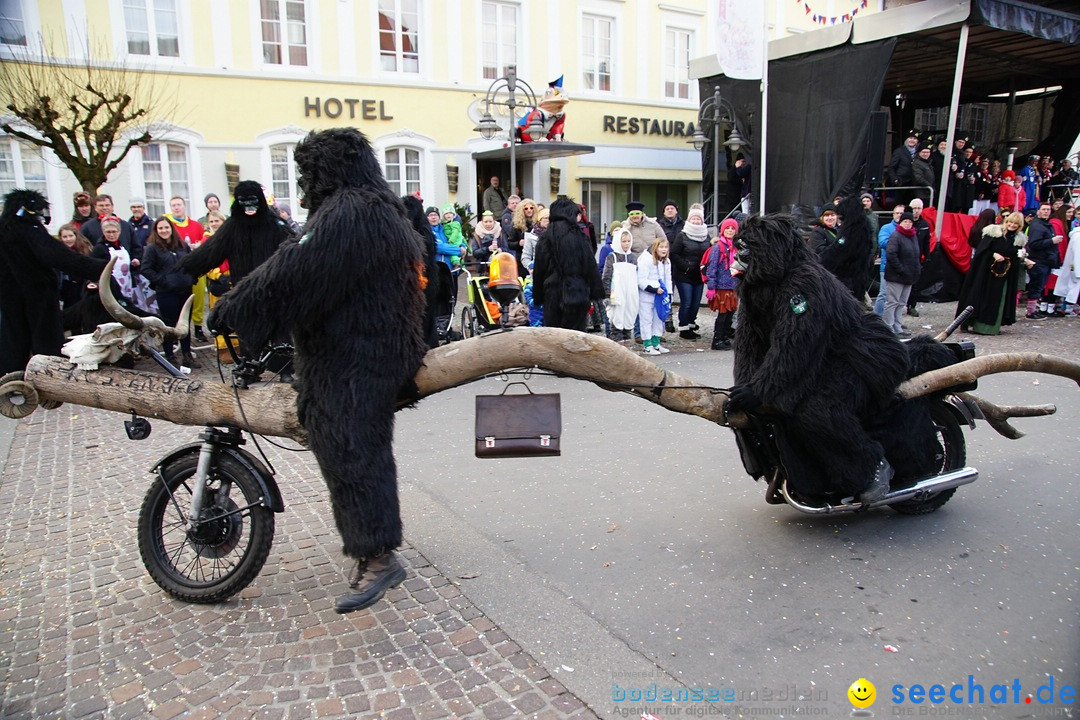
{"x": 934, "y": 484}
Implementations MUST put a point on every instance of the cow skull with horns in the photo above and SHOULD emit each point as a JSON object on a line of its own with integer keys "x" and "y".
{"x": 128, "y": 336}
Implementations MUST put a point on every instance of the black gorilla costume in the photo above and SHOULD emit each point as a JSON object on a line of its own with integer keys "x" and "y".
{"x": 350, "y": 294}
{"x": 414, "y": 210}
{"x": 565, "y": 277}
{"x": 850, "y": 258}
{"x": 250, "y": 235}
{"x": 806, "y": 347}
{"x": 30, "y": 318}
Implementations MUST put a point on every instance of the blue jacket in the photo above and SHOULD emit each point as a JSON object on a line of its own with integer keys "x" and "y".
{"x": 444, "y": 249}
{"x": 883, "y": 236}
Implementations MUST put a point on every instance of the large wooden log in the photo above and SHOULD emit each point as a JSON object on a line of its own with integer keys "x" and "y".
{"x": 271, "y": 409}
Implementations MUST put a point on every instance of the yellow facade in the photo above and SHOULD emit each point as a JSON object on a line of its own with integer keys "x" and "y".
{"x": 226, "y": 108}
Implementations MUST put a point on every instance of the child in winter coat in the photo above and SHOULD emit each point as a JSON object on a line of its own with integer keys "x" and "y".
{"x": 653, "y": 278}
{"x": 452, "y": 228}
{"x": 721, "y": 285}
{"x": 620, "y": 284}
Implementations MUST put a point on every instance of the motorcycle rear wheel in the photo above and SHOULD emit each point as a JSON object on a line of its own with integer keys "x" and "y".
{"x": 954, "y": 456}
{"x": 221, "y": 556}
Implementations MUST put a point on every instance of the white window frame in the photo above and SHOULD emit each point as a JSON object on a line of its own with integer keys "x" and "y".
{"x": 31, "y": 29}
{"x": 314, "y": 41}
{"x": 17, "y": 147}
{"x": 421, "y": 52}
{"x": 591, "y": 14}
{"x": 183, "y": 31}
{"x": 670, "y": 65}
{"x": 517, "y": 42}
{"x": 402, "y": 185}
{"x": 409, "y": 139}
{"x": 170, "y": 135}
{"x": 288, "y": 136}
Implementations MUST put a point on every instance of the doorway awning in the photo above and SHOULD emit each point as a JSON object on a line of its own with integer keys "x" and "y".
{"x": 535, "y": 151}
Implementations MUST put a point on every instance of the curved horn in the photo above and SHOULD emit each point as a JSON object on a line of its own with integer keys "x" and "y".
{"x": 122, "y": 316}
{"x": 180, "y": 331}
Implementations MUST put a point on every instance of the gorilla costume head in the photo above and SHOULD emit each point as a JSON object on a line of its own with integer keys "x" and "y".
{"x": 354, "y": 165}
{"x": 25, "y": 206}
{"x": 249, "y": 200}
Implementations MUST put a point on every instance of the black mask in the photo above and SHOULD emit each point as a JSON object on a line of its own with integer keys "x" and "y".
{"x": 250, "y": 203}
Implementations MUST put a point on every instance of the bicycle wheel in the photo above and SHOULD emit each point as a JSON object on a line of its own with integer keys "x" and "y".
{"x": 224, "y": 553}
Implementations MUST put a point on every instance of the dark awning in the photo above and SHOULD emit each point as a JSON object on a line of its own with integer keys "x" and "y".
{"x": 535, "y": 151}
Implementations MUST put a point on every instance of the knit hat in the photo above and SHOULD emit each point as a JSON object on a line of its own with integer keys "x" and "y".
{"x": 866, "y": 195}
{"x": 1008, "y": 175}
{"x": 827, "y": 208}
{"x": 449, "y": 208}
{"x": 541, "y": 214}
{"x": 81, "y": 198}
{"x": 635, "y": 205}
{"x": 213, "y": 195}
{"x": 672, "y": 203}
{"x": 136, "y": 201}
{"x": 728, "y": 222}
{"x": 696, "y": 212}
{"x": 431, "y": 209}
{"x": 285, "y": 208}
{"x": 905, "y": 216}
{"x": 614, "y": 224}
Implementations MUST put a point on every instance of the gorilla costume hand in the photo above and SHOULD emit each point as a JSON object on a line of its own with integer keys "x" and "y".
{"x": 742, "y": 397}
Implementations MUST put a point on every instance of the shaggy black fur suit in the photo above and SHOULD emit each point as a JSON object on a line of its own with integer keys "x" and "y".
{"x": 433, "y": 290}
{"x": 246, "y": 241}
{"x": 805, "y": 347}
{"x": 30, "y": 318}
{"x": 564, "y": 264}
{"x": 851, "y": 257}
{"x": 350, "y": 294}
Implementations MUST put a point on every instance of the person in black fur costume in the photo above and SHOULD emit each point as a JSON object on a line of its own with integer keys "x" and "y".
{"x": 414, "y": 210}
{"x": 30, "y": 318}
{"x": 350, "y": 294}
{"x": 250, "y": 235}
{"x": 806, "y": 348}
{"x": 851, "y": 256}
{"x": 565, "y": 277}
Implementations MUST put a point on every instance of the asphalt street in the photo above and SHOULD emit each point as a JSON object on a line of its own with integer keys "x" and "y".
{"x": 645, "y": 555}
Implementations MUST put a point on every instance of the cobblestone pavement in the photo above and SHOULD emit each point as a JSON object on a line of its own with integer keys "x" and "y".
{"x": 85, "y": 633}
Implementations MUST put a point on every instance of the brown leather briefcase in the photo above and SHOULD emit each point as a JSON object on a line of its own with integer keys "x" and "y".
{"x": 509, "y": 426}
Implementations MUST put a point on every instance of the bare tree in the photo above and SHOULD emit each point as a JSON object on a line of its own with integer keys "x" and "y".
{"x": 89, "y": 113}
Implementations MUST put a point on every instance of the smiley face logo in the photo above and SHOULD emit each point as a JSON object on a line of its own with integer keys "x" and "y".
{"x": 862, "y": 693}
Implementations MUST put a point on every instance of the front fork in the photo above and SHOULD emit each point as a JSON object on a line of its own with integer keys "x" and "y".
{"x": 212, "y": 440}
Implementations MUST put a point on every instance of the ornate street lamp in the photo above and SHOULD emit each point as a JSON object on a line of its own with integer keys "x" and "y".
{"x": 714, "y": 112}
{"x": 503, "y": 92}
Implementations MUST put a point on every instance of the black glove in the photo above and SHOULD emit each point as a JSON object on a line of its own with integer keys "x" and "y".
{"x": 215, "y": 321}
{"x": 742, "y": 397}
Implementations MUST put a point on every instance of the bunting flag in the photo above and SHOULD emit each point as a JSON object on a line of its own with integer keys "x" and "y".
{"x": 832, "y": 19}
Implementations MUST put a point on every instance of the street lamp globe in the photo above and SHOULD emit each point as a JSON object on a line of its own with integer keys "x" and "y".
{"x": 487, "y": 127}
{"x": 698, "y": 139}
{"x": 735, "y": 140}
{"x": 535, "y": 130}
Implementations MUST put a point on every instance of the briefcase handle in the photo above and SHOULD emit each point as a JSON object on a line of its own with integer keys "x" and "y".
{"x": 517, "y": 382}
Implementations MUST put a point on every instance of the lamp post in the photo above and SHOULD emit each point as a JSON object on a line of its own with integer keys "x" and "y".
{"x": 503, "y": 92}
{"x": 714, "y": 111}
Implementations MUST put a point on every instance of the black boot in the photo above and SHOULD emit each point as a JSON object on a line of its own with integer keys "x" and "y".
{"x": 688, "y": 334}
{"x": 369, "y": 581}
{"x": 879, "y": 485}
{"x": 191, "y": 362}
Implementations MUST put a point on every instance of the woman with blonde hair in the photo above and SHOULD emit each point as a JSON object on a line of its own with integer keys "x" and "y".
{"x": 524, "y": 218}
{"x": 991, "y": 281}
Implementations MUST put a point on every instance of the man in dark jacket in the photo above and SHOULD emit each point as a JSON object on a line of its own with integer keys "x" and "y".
{"x": 670, "y": 222}
{"x": 91, "y": 229}
{"x": 1042, "y": 249}
{"x": 898, "y": 171}
{"x": 923, "y": 231}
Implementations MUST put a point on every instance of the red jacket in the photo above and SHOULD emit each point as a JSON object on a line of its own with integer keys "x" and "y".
{"x": 1010, "y": 198}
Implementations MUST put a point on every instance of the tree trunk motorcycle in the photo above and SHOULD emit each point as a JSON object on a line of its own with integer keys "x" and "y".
{"x": 207, "y": 522}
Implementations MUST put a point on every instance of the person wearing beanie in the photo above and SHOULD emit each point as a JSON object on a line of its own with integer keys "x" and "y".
{"x": 670, "y": 222}
{"x": 285, "y": 212}
{"x": 902, "y": 268}
{"x": 721, "y": 284}
{"x": 922, "y": 174}
{"x": 451, "y": 226}
{"x": 213, "y": 204}
{"x": 82, "y": 208}
{"x": 140, "y": 222}
{"x": 644, "y": 229}
{"x": 867, "y": 200}
{"x": 824, "y": 233}
{"x": 1011, "y": 195}
{"x": 687, "y": 250}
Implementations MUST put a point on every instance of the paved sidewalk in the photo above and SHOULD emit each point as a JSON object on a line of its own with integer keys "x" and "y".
{"x": 85, "y": 633}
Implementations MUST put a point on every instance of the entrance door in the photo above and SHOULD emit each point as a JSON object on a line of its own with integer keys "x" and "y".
{"x": 485, "y": 169}
{"x": 598, "y": 198}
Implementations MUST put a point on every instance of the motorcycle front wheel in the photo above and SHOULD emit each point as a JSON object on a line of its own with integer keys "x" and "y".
{"x": 225, "y": 552}
{"x": 953, "y": 457}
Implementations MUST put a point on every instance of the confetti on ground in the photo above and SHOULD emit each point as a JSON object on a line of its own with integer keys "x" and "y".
{"x": 892, "y": 649}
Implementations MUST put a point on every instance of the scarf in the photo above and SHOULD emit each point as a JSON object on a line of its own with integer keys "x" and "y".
{"x": 906, "y": 233}
{"x": 696, "y": 232}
